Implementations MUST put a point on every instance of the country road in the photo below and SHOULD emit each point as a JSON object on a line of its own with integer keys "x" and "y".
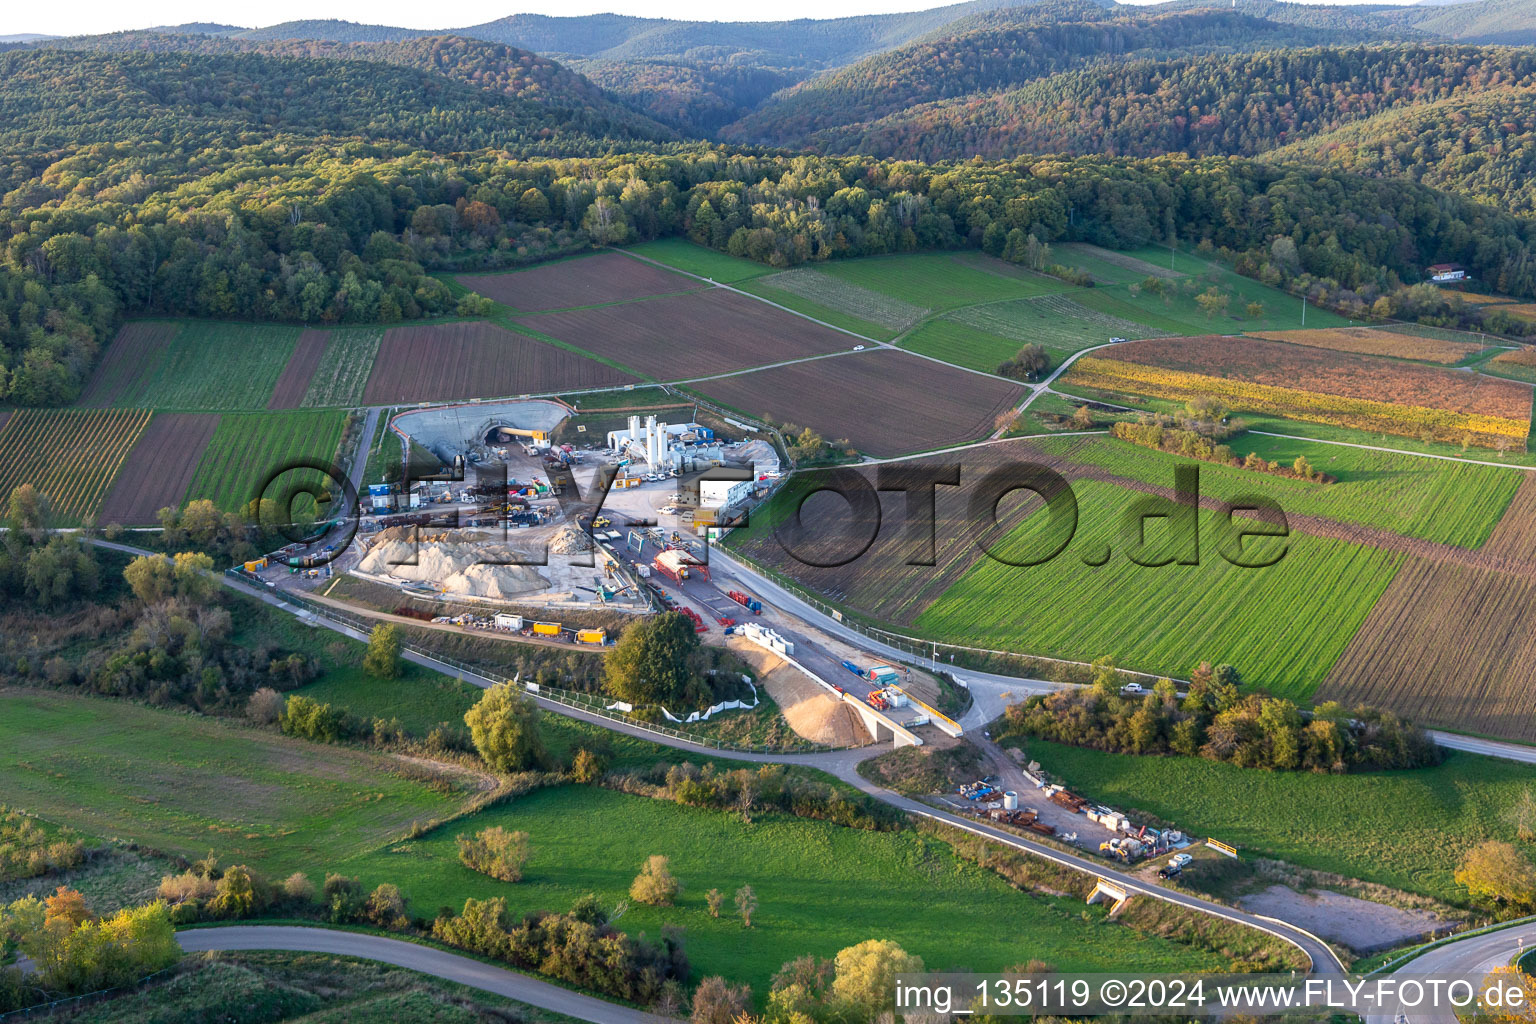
{"x": 415, "y": 957}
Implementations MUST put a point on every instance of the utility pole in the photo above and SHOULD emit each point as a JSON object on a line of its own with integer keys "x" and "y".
{"x": 1303, "y": 309}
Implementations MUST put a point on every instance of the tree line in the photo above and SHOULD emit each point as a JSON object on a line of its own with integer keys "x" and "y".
{"x": 1214, "y": 720}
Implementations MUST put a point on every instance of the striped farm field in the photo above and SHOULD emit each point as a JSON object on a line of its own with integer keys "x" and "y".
{"x": 1325, "y": 387}
{"x": 846, "y": 297}
{"x": 193, "y": 365}
{"x": 71, "y": 455}
{"x": 248, "y": 448}
{"x": 1283, "y": 625}
{"x": 1110, "y": 267}
{"x": 1438, "y": 500}
{"x": 1375, "y": 341}
{"x": 344, "y": 367}
{"x": 1452, "y": 645}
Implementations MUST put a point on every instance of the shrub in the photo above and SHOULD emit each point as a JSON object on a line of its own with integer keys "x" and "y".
{"x": 654, "y": 885}
{"x": 265, "y": 706}
{"x": 504, "y": 726}
{"x": 386, "y": 907}
{"x": 716, "y": 1002}
{"x": 496, "y": 852}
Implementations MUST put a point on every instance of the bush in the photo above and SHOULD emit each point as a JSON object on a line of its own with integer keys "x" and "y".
{"x": 655, "y": 885}
{"x": 496, "y": 852}
{"x": 265, "y": 707}
{"x": 385, "y": 907}
{"x": 308, "y": 718}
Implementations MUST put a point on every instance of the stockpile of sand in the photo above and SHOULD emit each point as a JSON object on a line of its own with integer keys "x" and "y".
{"x": 569, "y": 540}
{"x": 808, "y": 708}
{"x": 456, "y": 561}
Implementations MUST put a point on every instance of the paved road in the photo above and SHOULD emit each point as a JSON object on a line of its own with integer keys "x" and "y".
{"x": 425, "y": 959}
{"x": 1477, "y": 955}
{"x": 365, "y": 442}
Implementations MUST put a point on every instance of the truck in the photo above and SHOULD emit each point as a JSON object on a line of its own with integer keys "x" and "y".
{"x": 677, "y": 565}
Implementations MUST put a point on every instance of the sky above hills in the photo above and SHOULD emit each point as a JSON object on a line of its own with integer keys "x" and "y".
{"x": 93, "y": 16}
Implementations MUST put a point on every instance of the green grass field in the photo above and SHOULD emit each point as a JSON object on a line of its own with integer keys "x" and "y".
{"x": 344, "y": 368}
{"x": 818, "y": 311}
{"x": 697, "y": 259}
{"x": 1446, "y": 502}
{"x": 184, "y": 783}
{"x": 214, "y": 366}
{"x": 1405, "y": 829}
{"x": 820, "y": 887}
{"x": 247, "y": 448}
{"x": 940, "y": 280}
{"x": 1283, "y": 626}
{"x": 981, "y": 337}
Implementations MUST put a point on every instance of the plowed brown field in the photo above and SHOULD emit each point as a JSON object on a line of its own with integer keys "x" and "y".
{"x": 682, "y": 336}
{"x": 294, "y": 382}
{"x": 475, "y": 360}
{"x": 884, "y": 402}
{"x": 608, "y": 277}
{"x": 156, "y": 473}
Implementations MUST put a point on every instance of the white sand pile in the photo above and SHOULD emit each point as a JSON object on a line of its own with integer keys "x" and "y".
{"x": 568, "y": 540}
{"x": 456, "y": 561}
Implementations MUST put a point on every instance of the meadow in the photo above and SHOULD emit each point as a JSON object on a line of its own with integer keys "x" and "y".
{"x": 248, "y": 448}
{"x": 182, "y": 783}
{"x": 981, "y": 337}
{"x": 1406, "y": 829}
{"x": 1446, "y": 502}
{"x": 208, "y": 366}
{"x": 820, "y": 887}
{"x": 1282, "y": 626}
{"x": 696, "y": 259}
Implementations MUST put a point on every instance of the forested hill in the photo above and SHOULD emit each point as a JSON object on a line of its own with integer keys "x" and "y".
{"x": 52, "y": 98}
{"x": 829, "y": 112}
{"x": 517, "y": 74}
{"x": 1238, "y": 104}
{"x": 1483, "y": 146}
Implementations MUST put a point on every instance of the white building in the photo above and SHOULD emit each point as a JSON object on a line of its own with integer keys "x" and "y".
{"x": 722, "y": 493}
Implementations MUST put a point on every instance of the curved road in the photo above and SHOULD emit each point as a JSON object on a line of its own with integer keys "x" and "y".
{"x": 410, "y": 955}
{"x": 1476, "y": 955}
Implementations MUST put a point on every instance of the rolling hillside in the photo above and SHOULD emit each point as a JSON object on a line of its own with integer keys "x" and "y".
{"x": 541, "y": 106}
{"x": 1201, "y": 105}
{"x": 973, "y": 71}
